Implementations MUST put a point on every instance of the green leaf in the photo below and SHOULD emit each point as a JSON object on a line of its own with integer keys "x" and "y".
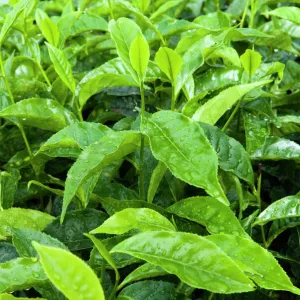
{"x": 62, "y": 67}
{"x": 219, "y": 274}
{"x": 95, "y": 158}
{"x": 290, "y": 13}
{"x": 142, "y": 5}
{"x": 11, "y": 297}
{"x": 75, "y": 23}
{"x": 169, "y": 61}
{"x": 228, "y": 54}
{"x": 112, "y": 73}
{"x": 22, "y": 239}
{"x": 214, "y": 108}
{"x": 22, "y": 218}
{"x": 72, "y": 276}
{"x": 8, "y": 186}
{"x": 149, "y": 289}
{"x": 251, "y": 61}
{"x": 25, "y": 272}
{"x": 139, "y": 54}
{"x": 76, "y": 223}
{"x": 46, "y": 114}
{"x": 104, "y": 253}
{"x": 255, "y": 261}
{"x": 48, "y": 28}
{"x": 7, "y": 252}
{"x": 232, "y": 155}
{"x": 12, "y": 16}
{"x": 143, "y": 219}
{"x": 155, "y": 180}
{"x": 143, "y": 272}
{"x": 164, "y": 8}
{"x": 71, "y": 140}
{"x": 207, "y": 211}
{"x": 182, "y": 150}
{"x": 287, "y": 207}
{"x": 123, "y": 32}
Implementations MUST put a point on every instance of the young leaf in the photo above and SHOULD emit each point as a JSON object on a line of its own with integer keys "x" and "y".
{"x": 72, "y": 276}
{"x": 290, "y": 13}
{"x": 207, "y": 211}
{"x": 251, "y": 61}
{"x": 142, "y": 5}
{"x": 255, "y": 261}
{"x": 192, "y": 160}
{"x": 214, "y": 108}
{"x": 62, "y": 67}
{"x": 46, "y": 114}
{"x": 48, "y": 28}
{"x": 288, "y": 207}
{"x": 139, "y": 54}
{"x": 143, "y": 219}
{"x": 232, "y": 155}
{"x": 219, "y": 274}
{"x": 25, "y": 272}
{"x": 164, "y": 8}
{"x": 143, "y": 272}
{"x": 169, "y": 61}
{"x": 22, "y": 218}
{"x": 96, "y": 157}
{"x": 22, "y": 239}
{"x": 8, "y": 186}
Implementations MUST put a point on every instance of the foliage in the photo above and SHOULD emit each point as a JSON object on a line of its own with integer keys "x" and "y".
{"x": 149, "y": 149}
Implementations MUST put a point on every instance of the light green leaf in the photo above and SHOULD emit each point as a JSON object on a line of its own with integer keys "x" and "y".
{"x": 139, "y": 54}
{"x": 46, "y": 114}
{"x": 251, "y": 61}
{"x": 123, "y": 32}
{"x": 72, "y": 276}
{"x": 207, "y": 211}
{"x": 62, "y": 67}
{"x": 290, "y": 13}
{"x": 232, "y": 155}
{"x": 169, "y": 61}
{"x": 192, "y": 160}
{"x": 95, "y": 158}
{"x": 164, "y": 8}
{"x": 219, "y": 274}
{"x": 71, "y": 140}
{"x": 228, "y": 54}
{"x": 20, "y": 274}
{"x": 48, "y": 28}
{"x": 11, "y": 297}
{"x": 143, "y": 219}
{"x": 142, "y": 5}
{"x": 143, "y": 272}
{"x": 255, "y": 261}
{"x": 8, "y": 186}
{"x": 22, "y": 218}
{"x": 214, "y": 108}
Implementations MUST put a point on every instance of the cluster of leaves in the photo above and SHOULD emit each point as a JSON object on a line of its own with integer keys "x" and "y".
{"x": 149, "y": 149}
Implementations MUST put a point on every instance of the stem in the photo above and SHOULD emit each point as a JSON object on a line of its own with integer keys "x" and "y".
{"x": 211, "y": 296}
{"x": 142, "y": 149}
{"x": 244, "y": 15}
{"x": 217, "y": 4}
{"x": 173, "y": 100}
{"x": 102, "y": 270}
{"x": 25, "y": 140}
{"x": 111, "y": 10}
{"x": 252, "y": 14}
{"x": 232, "y": 115}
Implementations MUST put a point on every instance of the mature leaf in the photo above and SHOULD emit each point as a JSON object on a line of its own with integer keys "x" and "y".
{"x": 72, "y": 276}
{"x": 62, "y": 67}
{"x": 170, "y": 139}
{"x": 7, "y": 252}
{"x": 22, "y": 218}
{"x": 76, "y": 223}
{"x": 139, "y": 54}
{"x": 25, "y": 272}
{"x": 143, "y": 272}
{"x": 48, "y": 28}
{"x": 71, "y": 140}
{"x": 22, "y": 240}
{"x": 207, "y": 211}
{"x": 165, "y": 249}
{"x": 143, "y": 219}
{"x": 290, "y": 13}
{"x": 169, "y": 61}
{"x": 95, "y": 158}
{"x": 214, "y": 108}
{"x": 46, "y": 114}
{"x": 251, "y": 61}
{"x": 232, "y": 155}
{"x": 255, "y": 261}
